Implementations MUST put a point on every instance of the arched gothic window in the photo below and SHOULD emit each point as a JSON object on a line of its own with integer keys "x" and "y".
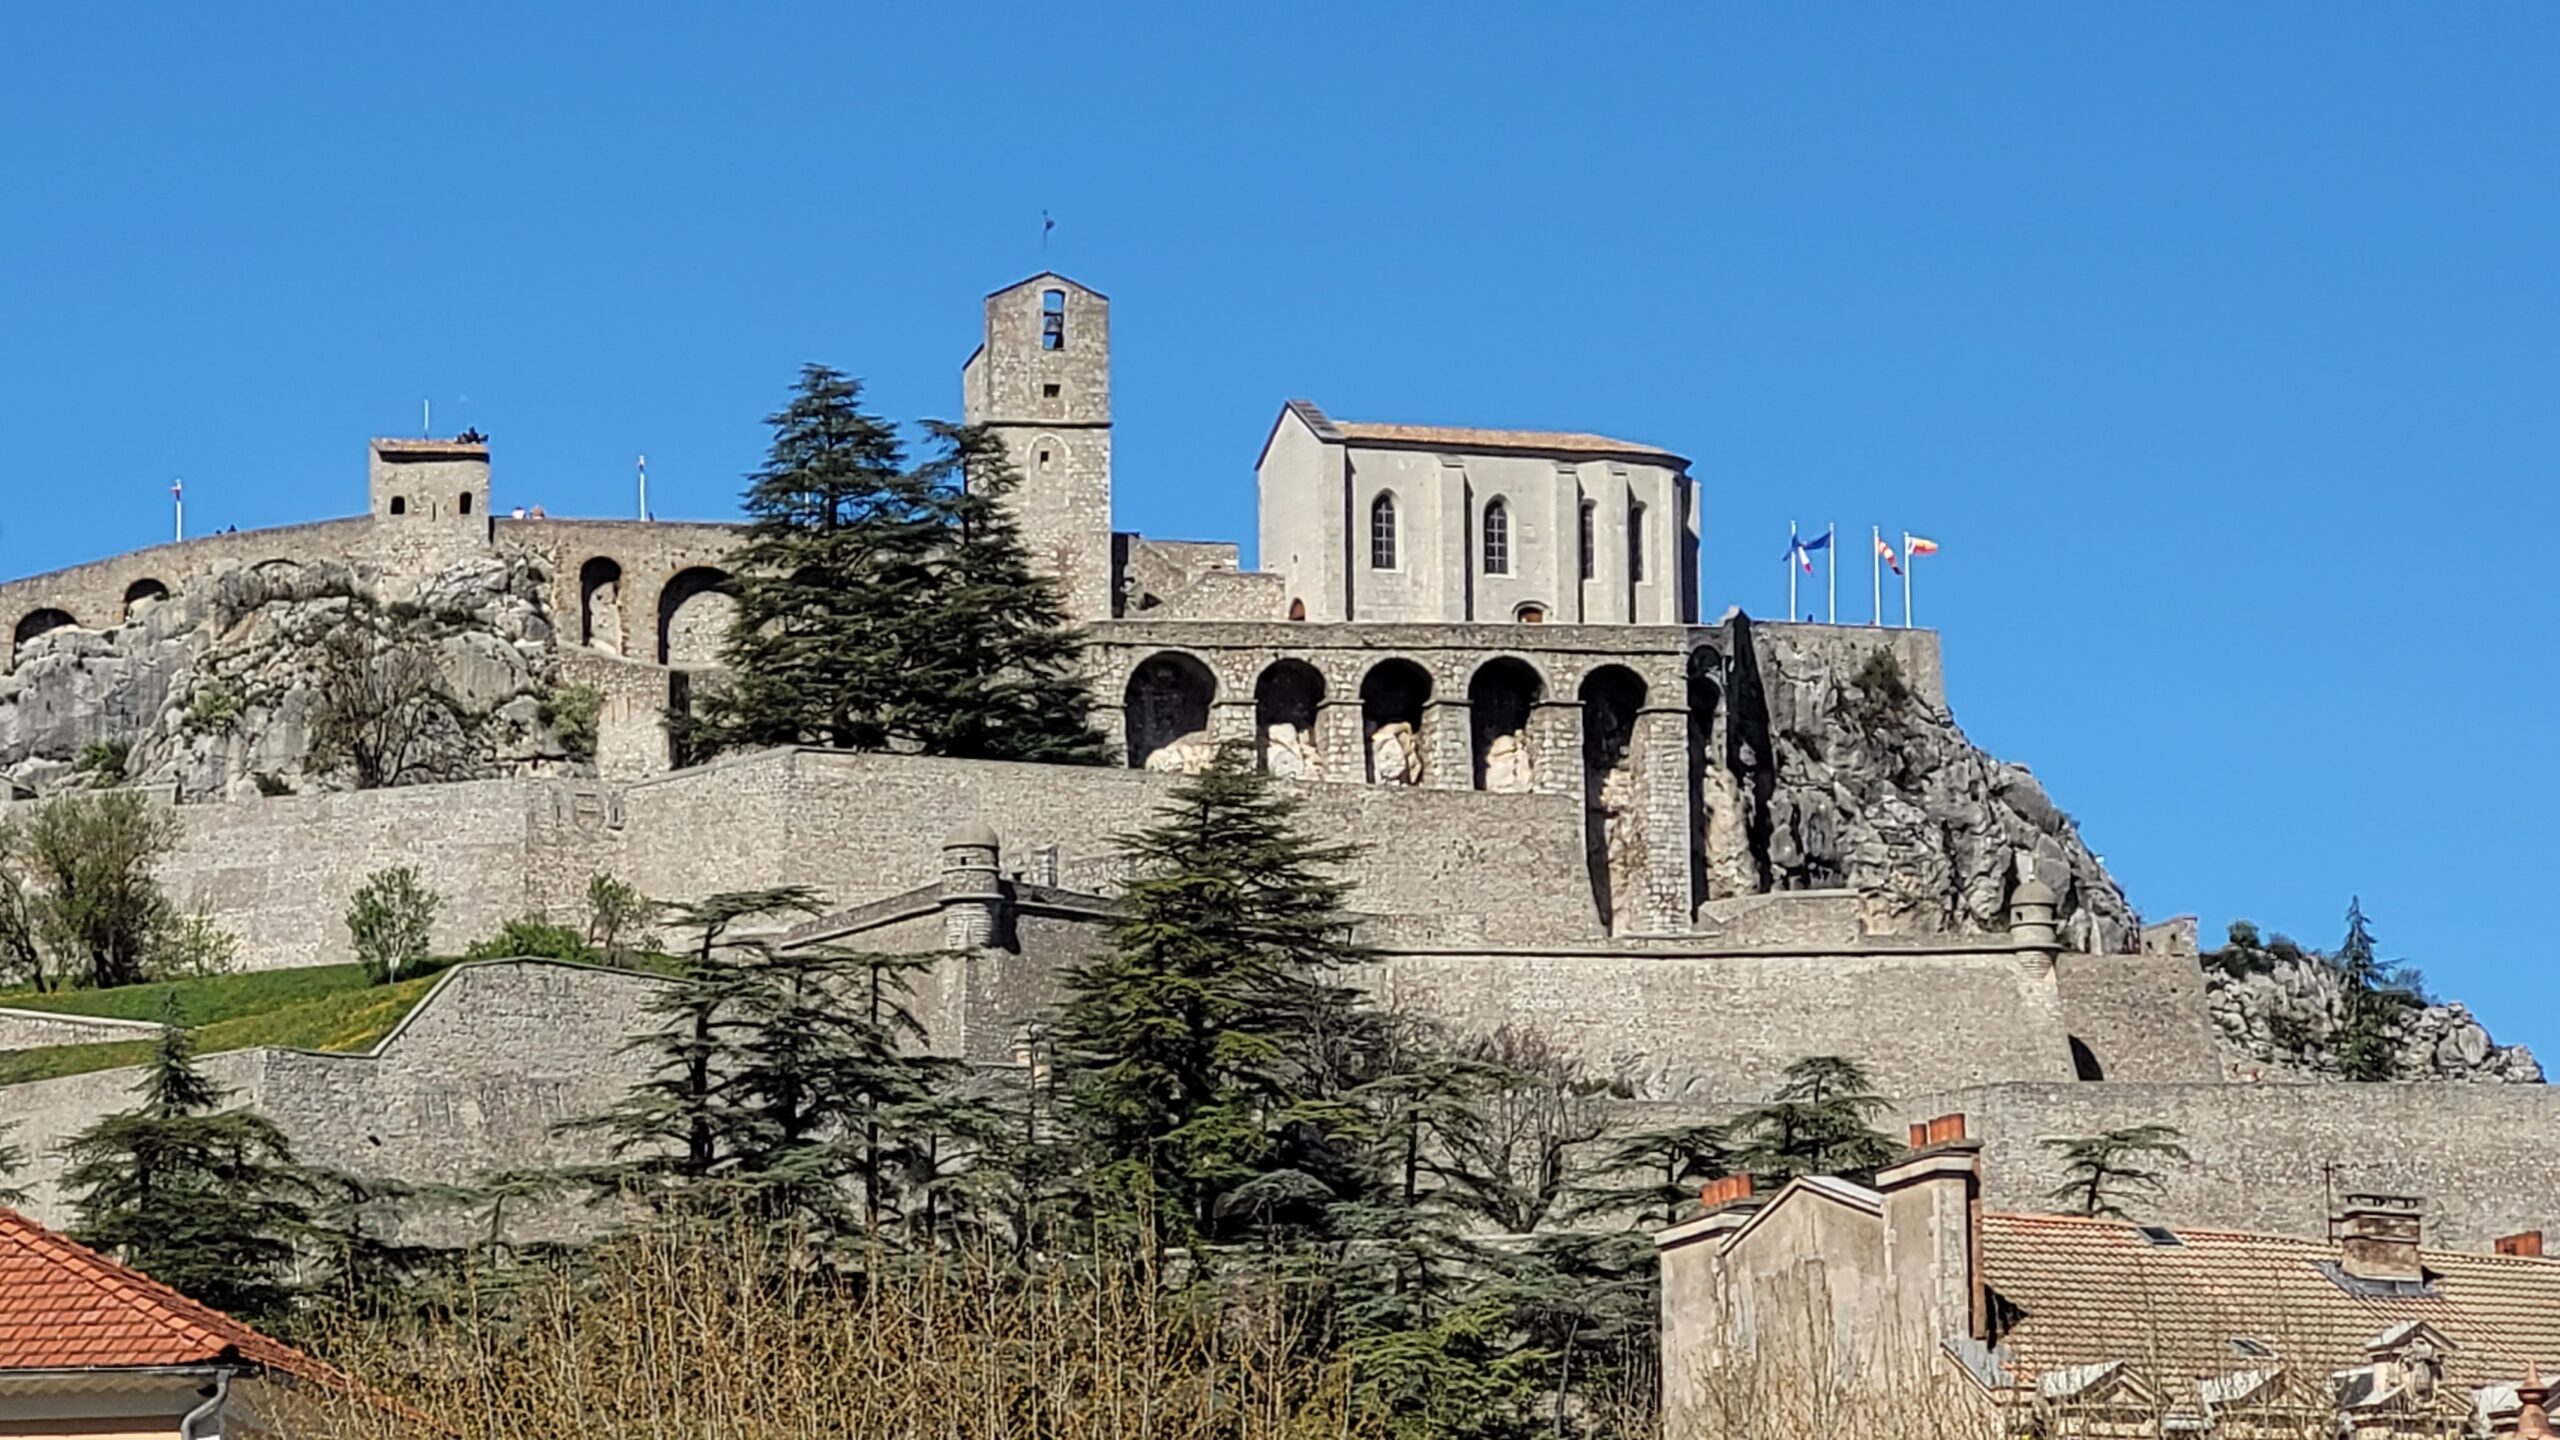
{"x": 1590, "y": 548}
{"x": 1382, "y": 532}
{"x": 1635, "y": 541}
{"x": 1497, "y": 538}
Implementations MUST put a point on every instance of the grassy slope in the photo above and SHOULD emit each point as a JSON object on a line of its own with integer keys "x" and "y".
{"x": 327, "y": 1007}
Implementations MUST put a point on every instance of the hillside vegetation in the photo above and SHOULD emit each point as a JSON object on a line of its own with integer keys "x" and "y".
{"x": 319, "y": 1007}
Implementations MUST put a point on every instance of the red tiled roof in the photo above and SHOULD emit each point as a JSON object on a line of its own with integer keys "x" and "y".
{"x": 64, "y": 1306}
{"x": 1463, "y": 437}
{"x": 2097, "y": 1290}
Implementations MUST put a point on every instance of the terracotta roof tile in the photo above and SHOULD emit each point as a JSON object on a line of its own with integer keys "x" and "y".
{"x": 64, "y": 1306}
{"x": 2094, "y": 1290}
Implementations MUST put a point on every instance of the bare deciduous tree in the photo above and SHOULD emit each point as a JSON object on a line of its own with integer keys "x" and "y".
{"x": 1512, "y": 1153}
{"x": 383, "y": 713}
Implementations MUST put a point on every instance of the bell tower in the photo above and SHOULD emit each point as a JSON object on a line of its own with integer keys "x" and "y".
{"x": 1042, "y": 381}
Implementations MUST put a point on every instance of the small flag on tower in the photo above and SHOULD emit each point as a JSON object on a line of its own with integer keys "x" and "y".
{"x": 1884, "y": 548}
{"x": 1920, "y": 544}
{"x": 1802, "y": 549}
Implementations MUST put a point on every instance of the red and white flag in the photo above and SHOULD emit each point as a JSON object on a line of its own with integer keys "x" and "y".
{"x": 1884, "y": 548}
{"x": 1919, "y": 544}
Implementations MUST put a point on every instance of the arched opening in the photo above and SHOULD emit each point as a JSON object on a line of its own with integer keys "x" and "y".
{"x": 399, "y": 504}
{"x": 1613, "y": 840}
{"x": 142, "y": 593}
{"x": 1529, "y": 612}
{"x": 1500, "y": 701}
{"x": 462, "y": 503}
{"x": 1392, "y": 697}
{"x": 1285, "y": 702}
{"x": 694, "y": 613}
{"x": 600, "y": 605}
{"x": 36, "y": 622}
{"x": 1053, "y": 319}
{"x": 1588, "y": 542}
{"x": 1297, "y": 609}
{"x": 1382, "y": 531}
{"x": 1166, "y": 710}
{"x": 2084, "y": 1061}
{"x": 1497, "y": 537}
{"x": 1635, "y": 543}
{"x": 1711, "y": 795}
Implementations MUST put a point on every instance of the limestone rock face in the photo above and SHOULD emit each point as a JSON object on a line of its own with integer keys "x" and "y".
{"x": 1395, "y": 754}
{"x": 2277, "y": 1012}
{"x": 214, "y": 688}
{"x": 1871, "y": 787}
{"x": 1290, "y": 753}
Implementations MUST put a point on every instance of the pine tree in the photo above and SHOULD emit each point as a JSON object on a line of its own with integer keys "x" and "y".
{"x": 205, "y": 1202}
{"x": 2104, "y": 1172}
{"x": 1192, "y": 1071}
{"x": 1816, "y": 1123}
{"x": 2377, "y": 994}
{"x": 883, "y": 606}
{"x": 1003, "y": 673}
{"x": 1653, "y": 1175}
{"x": 11, "y": 1158}
{"x": 832, "y": 580}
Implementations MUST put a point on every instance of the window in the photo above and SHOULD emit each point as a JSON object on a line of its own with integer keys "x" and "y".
{"x": 462, "y": 503}
{"x": 1590, "y": 551}
{"x": 399, "y": 504}
{"x": 1531, "y": 613}
{"x": 1382, "y": 533}
{"x": 1497, "y": 538}
{"x": 1635, "y": 541}
{"x": 1049, "y": 391}
{"x": 1053, "y": 319}
{"x": 1044, "y": 457}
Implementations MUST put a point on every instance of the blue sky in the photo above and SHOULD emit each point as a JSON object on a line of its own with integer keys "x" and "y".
{"x": 2214, "y": 343}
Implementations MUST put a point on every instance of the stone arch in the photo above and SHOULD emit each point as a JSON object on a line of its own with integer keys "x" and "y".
{"x": 600, "y": 604}
{"x": 1612, "y": 835}
{"x": 1392, "y": 697}
{"x": 1166, "y": 706}
{"x": 2084, "y": 1061}
{"x": 1502, "y": 698}
{"x": 694, "y": 611}
{"x": 1287, "y": 698}
{"x": 37, "y": 622}
{"x": 145, "y": 591}
{"x": 1714, "y": 802}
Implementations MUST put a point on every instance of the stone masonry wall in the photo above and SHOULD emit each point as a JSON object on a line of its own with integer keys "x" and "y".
{"x": 2140, "y": 1017}
{"x": 35, "y": 1029}
{"x": 1718, "y": 1028}
{"x": 2274, "y": 1157}
{"x": 477, "y": 1078}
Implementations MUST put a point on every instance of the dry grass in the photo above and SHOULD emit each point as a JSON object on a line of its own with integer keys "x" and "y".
{"x": 705, "y": 1334}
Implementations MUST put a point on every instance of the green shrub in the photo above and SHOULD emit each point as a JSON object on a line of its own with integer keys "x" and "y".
{"x": 570, "y": 712}
{"x": 532, "y": 936}
{"x": 213, "y": 710}
{"x": 390, "y": 918}
{"x": 617, "y": 917}
{"x": 104, "y": 761}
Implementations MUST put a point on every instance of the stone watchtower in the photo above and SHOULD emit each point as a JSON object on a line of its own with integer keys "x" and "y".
{"x": 440, "y": 482}
{"x": 1042, "y": 380}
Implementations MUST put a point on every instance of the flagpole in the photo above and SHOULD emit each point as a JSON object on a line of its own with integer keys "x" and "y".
{"x": 1795, "y": 553}
{"x": 178, "y": 505}
{"x": 1907, "y": 568}
{"x": 1831, "y": 541}
{"x": 1875, "y": 564}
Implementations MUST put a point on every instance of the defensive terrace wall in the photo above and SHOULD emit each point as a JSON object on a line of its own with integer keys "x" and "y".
{"x": 480, "y": 1075}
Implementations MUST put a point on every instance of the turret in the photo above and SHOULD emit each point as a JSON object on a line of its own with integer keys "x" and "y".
{"x": 972, "y": 891}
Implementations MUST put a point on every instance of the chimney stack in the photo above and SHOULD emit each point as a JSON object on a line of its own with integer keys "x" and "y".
{"x": 1933, "y": 1232}
{"x": 2378, "y": 1237}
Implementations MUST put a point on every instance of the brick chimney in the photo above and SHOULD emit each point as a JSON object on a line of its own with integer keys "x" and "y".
{"x": 1933, "y": 1232}
{"x": 2527, "y": 1244}
{"x": 2378, "y": 1237}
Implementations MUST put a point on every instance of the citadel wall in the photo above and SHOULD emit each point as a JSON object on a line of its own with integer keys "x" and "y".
{"x": 2276, "y": 1157}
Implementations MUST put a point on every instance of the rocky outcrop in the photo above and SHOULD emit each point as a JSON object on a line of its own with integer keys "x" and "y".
{"x": 1848, "y": 778}
{"x": 214, "y": 690}
{"x": 2278, "y": 1012}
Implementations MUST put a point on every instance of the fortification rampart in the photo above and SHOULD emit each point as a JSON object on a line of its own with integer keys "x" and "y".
{"x": 101, "y": 593}
{"x": 478, "y": 1077}
{"x": 2277, "y": 1157}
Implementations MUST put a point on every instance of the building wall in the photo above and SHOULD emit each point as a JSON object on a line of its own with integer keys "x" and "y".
{"x": 35, "y": 1029}
{"x": 2273, "y": 1157}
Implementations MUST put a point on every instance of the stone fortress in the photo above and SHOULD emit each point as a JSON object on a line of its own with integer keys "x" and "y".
{"x": 1689, "y": 851}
